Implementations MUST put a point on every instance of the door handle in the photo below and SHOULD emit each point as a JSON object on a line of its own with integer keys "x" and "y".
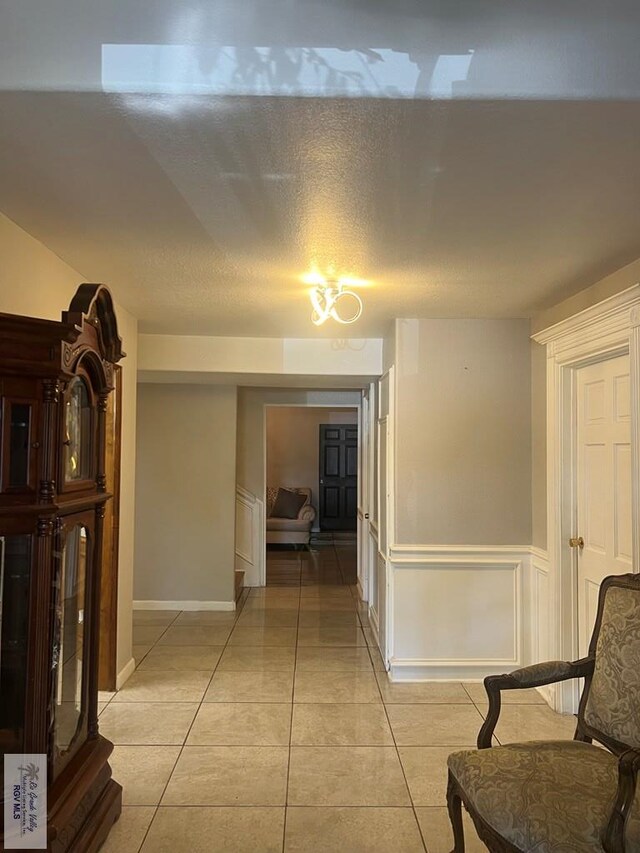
{"x": 576, "y": 542}
{"x": 366, "y": 515}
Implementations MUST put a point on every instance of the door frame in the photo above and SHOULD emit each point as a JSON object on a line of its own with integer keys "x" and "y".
{"x": 308, "y": 405}
{"x": 366, "y": 509}
{"x": 607, "y": 330}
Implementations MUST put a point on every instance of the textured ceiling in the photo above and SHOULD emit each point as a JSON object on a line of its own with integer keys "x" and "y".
{"x": 202, "y": 212}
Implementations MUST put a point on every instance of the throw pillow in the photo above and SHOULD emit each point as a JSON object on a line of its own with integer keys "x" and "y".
{"x": 272, "y": 494}
{"x": 288, "y": 504}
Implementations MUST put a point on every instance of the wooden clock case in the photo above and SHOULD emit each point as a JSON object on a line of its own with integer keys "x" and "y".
{"x": 55, "y": 379}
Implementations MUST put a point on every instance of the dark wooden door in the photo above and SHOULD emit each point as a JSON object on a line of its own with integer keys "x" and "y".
{"x": 338, "y": 476}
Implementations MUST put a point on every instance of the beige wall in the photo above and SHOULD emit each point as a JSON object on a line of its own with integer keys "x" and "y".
{"x": 251, "y": 463}
{"x": 185, "y": 493}
{"x": 37, "y": 283}
{"x": 293, "y": 457}
{"x": 608, "y": 286}
{"x": 33, "y": 281}
{"x": 463, "y": 432}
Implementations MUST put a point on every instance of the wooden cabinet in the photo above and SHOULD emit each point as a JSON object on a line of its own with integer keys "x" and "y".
{"x": 55, "y": 381}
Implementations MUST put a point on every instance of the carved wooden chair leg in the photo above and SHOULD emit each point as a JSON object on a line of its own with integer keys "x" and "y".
{"x": 454, "y": 804}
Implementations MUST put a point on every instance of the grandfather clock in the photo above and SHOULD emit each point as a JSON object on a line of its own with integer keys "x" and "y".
{"x": 55, "y": 378}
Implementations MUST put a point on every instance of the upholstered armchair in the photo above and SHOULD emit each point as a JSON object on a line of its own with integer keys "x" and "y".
{"x": 564, "y": 796}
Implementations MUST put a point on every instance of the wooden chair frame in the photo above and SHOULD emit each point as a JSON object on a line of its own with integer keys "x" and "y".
{"x": 539, "y": 675}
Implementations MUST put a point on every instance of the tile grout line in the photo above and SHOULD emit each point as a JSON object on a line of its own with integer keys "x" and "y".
{"x": 175, "y": 763}
{"x": 293, "y": 689}
{"x": 157, "y": 805}
{"x": 155, "y": 643}
{"x": 201, "y": 703}
{"x": 371, "y": 650}
{"x": 404, "y": 775}
{"x": 155, "y": 808}
{"x": 478, "y": 709}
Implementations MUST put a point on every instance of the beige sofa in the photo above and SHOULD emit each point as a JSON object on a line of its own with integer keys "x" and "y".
{"x": 290, "y": 531}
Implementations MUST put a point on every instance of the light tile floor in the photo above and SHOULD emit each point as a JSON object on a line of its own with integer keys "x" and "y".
{"x": 276, "y": 729}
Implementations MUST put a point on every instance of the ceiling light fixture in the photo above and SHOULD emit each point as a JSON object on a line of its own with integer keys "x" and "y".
{"x": 325, "y": 296}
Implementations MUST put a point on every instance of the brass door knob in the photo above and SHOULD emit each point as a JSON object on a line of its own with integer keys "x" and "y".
{"x": 576, "y": 542}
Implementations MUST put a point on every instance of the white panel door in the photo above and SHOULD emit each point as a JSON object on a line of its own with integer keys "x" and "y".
{"x": 603, "y": 483}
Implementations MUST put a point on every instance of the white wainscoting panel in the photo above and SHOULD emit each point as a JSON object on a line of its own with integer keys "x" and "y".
{"x": 381, "y": 605}
{"x": 372, "y": 545}
{"x": 539, "y": 605}
{"x": 250, "y": 537}
{"x": 457, "y": 611}
{"x": 363, "y": 555}
{"x": 539, "y": 614}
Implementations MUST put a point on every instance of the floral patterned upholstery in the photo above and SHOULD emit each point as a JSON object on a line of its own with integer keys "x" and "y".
{"x": 612, "y": 707}
{"x": 547, "y": 796}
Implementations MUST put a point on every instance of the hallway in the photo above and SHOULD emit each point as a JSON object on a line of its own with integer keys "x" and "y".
{"x": 276, "y": 729}
{"x": 328, "y": 560}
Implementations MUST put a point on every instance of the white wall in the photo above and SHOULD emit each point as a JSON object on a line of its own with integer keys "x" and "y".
{"x": 185, "y": 494}
{"x": 37, "y": 283}
{"x": 182, "y": 354}
{"x": 389, "y": 347}
{"x": 293, "y": 444}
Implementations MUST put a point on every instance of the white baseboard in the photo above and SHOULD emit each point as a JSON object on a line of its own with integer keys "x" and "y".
{"x": 184, "y": 605}
{"x": 374, "y": 622}
{"x": 429, "y": 670}
{"x": 125, "y": 673}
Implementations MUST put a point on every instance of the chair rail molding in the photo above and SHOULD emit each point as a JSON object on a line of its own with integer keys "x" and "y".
{"x": 429, "y": 554}
{"x": 602, "y": 331}
{"x": 250, "y": 537}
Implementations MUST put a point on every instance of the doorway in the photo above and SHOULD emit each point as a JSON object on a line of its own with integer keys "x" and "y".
{"x": 338, "y": 478}
{"x": 311, "y": 451}
{"x": 593, "y": 469}
{"x": 603, "y": 544}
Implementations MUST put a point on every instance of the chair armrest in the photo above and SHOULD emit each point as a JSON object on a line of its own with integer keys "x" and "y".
{"x": 628, "y": 768}
{"x": 550, "y": 672}
{"x": 307, "y": 513}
